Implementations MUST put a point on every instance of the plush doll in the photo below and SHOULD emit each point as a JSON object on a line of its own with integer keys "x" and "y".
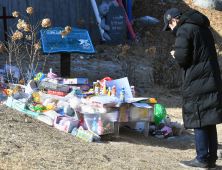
{"x": 68, "y": 110}
{"x": 162, "y": 123}
{"x": 103, "y": 10}
{"x": 177, "y": 128}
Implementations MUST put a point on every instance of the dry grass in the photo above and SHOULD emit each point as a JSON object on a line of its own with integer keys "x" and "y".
{"x": 27, "y": 143}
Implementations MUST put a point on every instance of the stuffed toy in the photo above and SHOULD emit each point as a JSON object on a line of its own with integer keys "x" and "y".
{"x": 177, "y": 128}
{"x": 162, "y": 123}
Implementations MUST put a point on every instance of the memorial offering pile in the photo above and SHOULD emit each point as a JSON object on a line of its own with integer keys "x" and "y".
{"x": 71, "y": 105}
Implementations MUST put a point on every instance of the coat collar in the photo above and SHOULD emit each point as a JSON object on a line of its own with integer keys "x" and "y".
{"x": 183, "y": 18}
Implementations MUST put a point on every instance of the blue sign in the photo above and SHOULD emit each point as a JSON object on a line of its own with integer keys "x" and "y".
{"x": 77, "y": 41}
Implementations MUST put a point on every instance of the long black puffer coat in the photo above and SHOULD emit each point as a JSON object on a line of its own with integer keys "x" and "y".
{"x": 202, "y": 87}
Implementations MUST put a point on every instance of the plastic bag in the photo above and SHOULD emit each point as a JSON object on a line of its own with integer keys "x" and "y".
{"x": 21, "y": 95}
{"x": 3, "y": 97}
{"x": 51, "y": 113}
{"x": 75, "y": 102}
{"x": 45, "y": 119}
{"x": 68, "y": 111}
{"x": 44, "y": 96}
{"x": 104, "y": 99}
{"x": 14, "y": 71}
{"x": 61, "y": 104}
{"x": 47, "y": 101}
{"x": 88, "y": 109}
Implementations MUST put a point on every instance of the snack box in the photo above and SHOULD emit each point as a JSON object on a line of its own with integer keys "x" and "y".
{"x": 53, "y": 86}
{"x": 57, "y": 80}
{"x": 75, "y": 81}
{"x": 65, "y": 123}
{"x": 88, "y": 135}
{"x": 57, "y": 93}
{"x": 79, "y": 87}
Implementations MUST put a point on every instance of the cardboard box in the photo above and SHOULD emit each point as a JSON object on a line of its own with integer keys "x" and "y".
{"x": 54, "y": 87}
{"x": 75, "y": 81}
{"x": 88, "y": 135}
{"x": 65, "y": 123}
{"x": 57, "y": 93}
{"x": 79, "y": 87}
{"x": 135, "y": 112}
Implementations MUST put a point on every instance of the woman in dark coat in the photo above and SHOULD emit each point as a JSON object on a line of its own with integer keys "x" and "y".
{"x": 202, "y": 87}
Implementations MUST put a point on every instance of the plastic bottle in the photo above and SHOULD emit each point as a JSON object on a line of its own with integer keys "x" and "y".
{"x": 109, "y": 91}
{"x": 50, "y": 74}
{"x": 104, "y": 88}
{"x": 101, "y": 90}
{"x": 122, "y": 95}
{"x": 94, "y": 125}
{"x": 113, "y": 93}
{"x": 97, "y": 87}
{"x": 99, "y": 127}
{"x": 133, "y": 91}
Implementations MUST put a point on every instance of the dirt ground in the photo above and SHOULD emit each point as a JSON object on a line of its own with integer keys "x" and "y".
{"x": 27, "y": 143}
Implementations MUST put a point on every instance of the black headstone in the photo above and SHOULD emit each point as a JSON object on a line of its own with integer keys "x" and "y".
{"x": 116, "y": 19}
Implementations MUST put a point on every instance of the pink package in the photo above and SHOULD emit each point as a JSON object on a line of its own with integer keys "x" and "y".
{"x": 65, "y": 123}
{"x": 168, "y": 129}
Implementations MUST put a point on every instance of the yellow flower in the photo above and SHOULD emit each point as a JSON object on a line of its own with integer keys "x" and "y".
{"x": 14, "y": 37}
{"x": 37, "y": 47}
{"x": 152, "y": 49}
{"x": 68, "y": 29}
{"x": 46, "y": 22}
{"x": 29, "y": 10}
{"x": 28, "y": 37}
{"x": 146, "y": 51}
{"x": 82, "y": 21}
{"x": 64, "y": 33}
{"x": 126, "y": 47}
{"x": 123, "y": 54}
{"x": 27, "y": 27}
{"x": 19, "y": 35}
{"x": 21, "y": 24}
{"x": 15, "y": 14}
{"x": 1, "y": 49}
{"x": 149, "y": 34}
{"x": 120, "y": 46}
